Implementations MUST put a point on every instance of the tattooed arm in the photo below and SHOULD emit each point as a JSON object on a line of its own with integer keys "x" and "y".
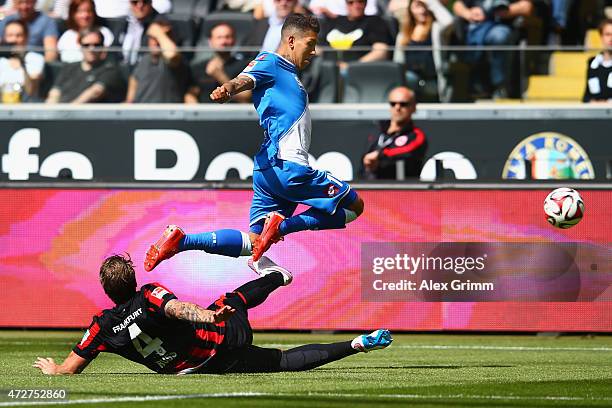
{"x": 225, "y": 92}
{"x": 193, "y": 313}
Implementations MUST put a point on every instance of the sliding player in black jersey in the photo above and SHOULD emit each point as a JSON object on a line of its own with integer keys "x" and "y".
{"x": 152, "y": 327}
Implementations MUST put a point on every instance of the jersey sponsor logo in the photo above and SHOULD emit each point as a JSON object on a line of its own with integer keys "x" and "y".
{"x": 159, "y": 292}
{"x": 552, "y": 156}
{"x": 126, "y": 322}
{"x": 261, "y": 57}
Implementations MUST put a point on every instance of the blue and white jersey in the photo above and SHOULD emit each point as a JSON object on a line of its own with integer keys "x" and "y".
{"x": 282, "y": 104}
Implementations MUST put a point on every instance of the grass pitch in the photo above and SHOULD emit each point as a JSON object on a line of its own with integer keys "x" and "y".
{"x": 417, "y": 370}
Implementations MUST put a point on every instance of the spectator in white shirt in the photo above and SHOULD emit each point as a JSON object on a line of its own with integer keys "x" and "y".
{"x": 81, "y": 16}
{"x": 335, "y": 8}
{"x": 105, "y": 8}
{"x": 142, "y": 14}
{"x": 20, "y": 71}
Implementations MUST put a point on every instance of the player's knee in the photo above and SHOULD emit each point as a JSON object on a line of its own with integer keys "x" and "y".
{"x": 357, "y": 206}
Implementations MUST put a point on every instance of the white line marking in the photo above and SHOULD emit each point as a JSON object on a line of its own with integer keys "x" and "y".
{"x": 509, "y": 348}
{"x": 35, "y": 343}
{"x": 133, "y": 399}
{"x": 311, "y": 394}
{"x": 467, "y": 347}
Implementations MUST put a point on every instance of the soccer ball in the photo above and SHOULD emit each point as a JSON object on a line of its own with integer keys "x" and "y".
{"x": 563, "y": 207}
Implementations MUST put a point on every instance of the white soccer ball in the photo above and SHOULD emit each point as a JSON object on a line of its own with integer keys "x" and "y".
{"x": 563, "y": 207}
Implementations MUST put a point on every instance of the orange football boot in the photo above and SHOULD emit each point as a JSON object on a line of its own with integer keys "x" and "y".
{"x": 269, "y": 235}
{"x": 165, "y": 247}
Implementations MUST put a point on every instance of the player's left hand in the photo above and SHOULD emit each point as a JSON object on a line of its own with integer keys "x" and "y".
{"x": 224, "y": 314}
{"x": 46, "y": 365}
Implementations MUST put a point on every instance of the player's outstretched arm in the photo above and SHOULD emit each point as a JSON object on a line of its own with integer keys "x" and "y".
{"x": 73, "y": 364}
{"x": 225, "y": 92}
{"x": 191, "y": 312}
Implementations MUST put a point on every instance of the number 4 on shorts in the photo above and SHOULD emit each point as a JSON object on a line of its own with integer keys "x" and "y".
{"x": 151, "y": 345}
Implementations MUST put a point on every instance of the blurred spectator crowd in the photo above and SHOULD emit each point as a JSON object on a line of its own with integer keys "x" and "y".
{"x": 178, "y": 51}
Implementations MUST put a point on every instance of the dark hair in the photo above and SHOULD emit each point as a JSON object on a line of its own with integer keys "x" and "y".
{"x": 72, "y": 9}
{"x": 19, "y": 22}
{"x": 301, "y": 23}
{"x": 118, "y": 278}
{"x": 84, "y": 33}
{"x": 603, "y": 24}
{"x": 222, "y": 23}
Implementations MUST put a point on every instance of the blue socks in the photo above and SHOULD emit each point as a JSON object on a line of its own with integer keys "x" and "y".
{"x": 226, "y": 242}
{"x": 313, "y": 219}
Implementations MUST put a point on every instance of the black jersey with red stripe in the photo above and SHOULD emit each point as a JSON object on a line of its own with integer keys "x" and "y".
{"x": 409, "y": 144}
{"x": 140, "y": 331}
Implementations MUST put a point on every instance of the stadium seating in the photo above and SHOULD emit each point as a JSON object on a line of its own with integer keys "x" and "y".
{"x": 115, "y": 24}
{"x": 321, "y": 81}
{"x": 566, "y": 79}
{"x": 392, "y": 24}
{"x": 186, "y": 28}
{"x": 50, "y": 73}
{"x": 183, "y": 6}
{"x": 241, "y": 22}
{"x": 202, "y": 8}
{"x": 371, "y": 81}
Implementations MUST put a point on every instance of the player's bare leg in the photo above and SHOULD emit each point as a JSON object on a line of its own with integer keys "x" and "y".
{"x": 357, "y": 206}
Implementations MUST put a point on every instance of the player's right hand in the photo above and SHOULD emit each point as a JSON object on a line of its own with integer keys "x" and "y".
{"x": 46, "y": 365}
{"x": 220, "y": 95}
{"x": 223, "y": 314}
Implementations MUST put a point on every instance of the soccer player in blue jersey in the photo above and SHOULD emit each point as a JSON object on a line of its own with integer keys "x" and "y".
{"x": 282, "y": 177}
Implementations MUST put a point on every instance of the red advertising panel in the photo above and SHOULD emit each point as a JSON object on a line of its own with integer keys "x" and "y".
{"x": 52, "y": 243}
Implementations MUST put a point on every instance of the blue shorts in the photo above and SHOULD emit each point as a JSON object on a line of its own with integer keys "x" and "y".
{"x": 285, "y": 185}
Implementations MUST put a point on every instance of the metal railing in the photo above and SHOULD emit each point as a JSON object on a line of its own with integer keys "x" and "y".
{"x": 463, "y": 73}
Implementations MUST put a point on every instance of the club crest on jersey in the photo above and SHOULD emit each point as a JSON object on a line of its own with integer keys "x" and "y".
{"x": 401, "y": 140}
{"x": 332, "y": 190}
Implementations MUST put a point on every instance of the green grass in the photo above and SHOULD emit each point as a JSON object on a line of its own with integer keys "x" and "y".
{"x": 418, "y": 370}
